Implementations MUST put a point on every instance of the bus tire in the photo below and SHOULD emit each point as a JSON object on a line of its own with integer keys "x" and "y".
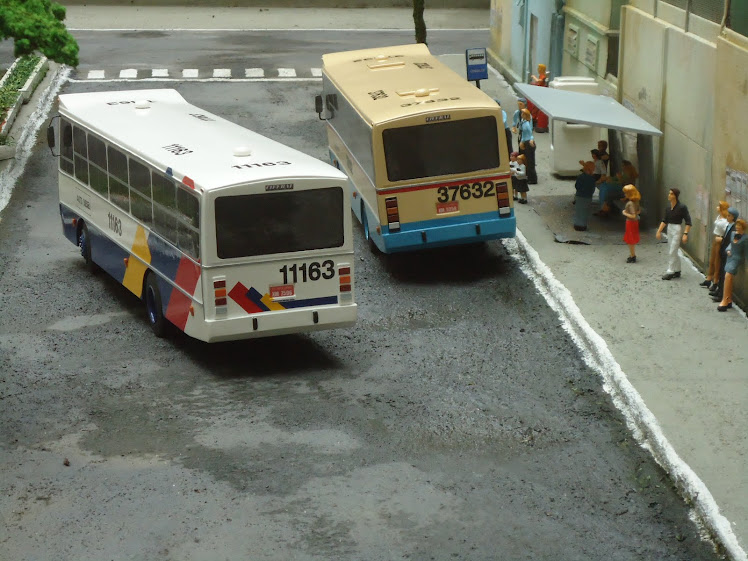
{"x": 153, "y": 307}
{"x": 367, "y": 233}
{"x": 84, "y": 243}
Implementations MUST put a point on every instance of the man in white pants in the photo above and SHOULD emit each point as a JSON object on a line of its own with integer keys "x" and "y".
{"x": 675, "y": 214}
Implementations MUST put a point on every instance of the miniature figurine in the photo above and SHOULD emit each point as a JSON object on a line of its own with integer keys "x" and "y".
{"x": 602, "y": 147}
{"x": 675, "y": 214}
{"x": 540, "y": 119}
{"x": 521, "y": 175}
{"x": 513, "y": 165}
{"x": 507, "y": 128}
{"x": 527, "y": 146}
{"x": 585, "y": 188}
{"x": 631, "y": 212}
{"x": 611, "y": 188}
{"x": 718, "y": 232}
{"x": 736, "y": 255}
{"x": 732, "y": 215}
{"x": 517, "y": 117}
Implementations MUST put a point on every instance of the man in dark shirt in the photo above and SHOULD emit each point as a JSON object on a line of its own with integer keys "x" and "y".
{"x": 675, "y": 214}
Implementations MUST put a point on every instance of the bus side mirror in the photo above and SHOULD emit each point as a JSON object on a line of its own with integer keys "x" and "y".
{"x": 51, "y": 137}
{"x": 318, "y": 107}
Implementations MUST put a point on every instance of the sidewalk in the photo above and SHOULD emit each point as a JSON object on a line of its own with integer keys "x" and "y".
{"x": 673, "y": 364}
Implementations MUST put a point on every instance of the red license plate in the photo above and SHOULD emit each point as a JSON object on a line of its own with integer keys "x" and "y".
{"x": 446, "y": 208}
{"x": 282, "y": 291}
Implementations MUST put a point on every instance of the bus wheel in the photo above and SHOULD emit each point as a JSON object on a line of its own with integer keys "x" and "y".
{"x": 154, "y": 310}
{"x": 84, "y": 243}
{"x": 367, "y": 233}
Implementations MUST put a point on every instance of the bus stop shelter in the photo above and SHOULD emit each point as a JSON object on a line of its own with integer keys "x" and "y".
{"x": 606, "y": 112}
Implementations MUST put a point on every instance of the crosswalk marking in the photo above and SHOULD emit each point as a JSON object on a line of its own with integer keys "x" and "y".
{"x": 187, "y": 73}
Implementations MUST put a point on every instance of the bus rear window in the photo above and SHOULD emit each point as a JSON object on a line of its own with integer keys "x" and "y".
{"x": 444, "y": 148}
{"x": 289, "y": 221}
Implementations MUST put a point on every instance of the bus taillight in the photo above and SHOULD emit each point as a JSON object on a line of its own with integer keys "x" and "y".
{"x": 502, "y": 194}
{"x": 219, "y": 291}
{"x": 393, "y": 214}
{"x": 345, "y": 278}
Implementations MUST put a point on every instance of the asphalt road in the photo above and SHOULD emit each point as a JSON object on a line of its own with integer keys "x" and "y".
{"x": 455, "y": 421}
{"x": 302, "y": 49}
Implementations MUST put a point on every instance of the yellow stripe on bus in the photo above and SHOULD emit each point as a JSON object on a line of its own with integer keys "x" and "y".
{"x": 271, "y": 304}
{"x": 136, "y": 269}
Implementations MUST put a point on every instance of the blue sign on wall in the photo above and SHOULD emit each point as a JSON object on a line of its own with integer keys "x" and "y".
{"x": 477, "y": 64}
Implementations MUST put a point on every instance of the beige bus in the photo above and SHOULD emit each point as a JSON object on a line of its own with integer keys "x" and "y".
{"x": 424, "y": 150}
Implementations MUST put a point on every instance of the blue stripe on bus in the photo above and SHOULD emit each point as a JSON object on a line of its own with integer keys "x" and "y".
{"x": 164, "y": 257}
{"x": 321, "y": 301}
{"x": 255, "y": 296}
{"x": 69, "y": 230}
{"x": 107, "y": 254}
{"x": 452, "y": 230}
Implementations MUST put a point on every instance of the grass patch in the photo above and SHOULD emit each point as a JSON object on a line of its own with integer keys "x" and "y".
{"x": 14, "y": 81}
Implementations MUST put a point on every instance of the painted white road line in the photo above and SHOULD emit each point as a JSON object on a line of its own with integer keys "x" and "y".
{"x": 221, "y": 73}
{"x": 189, "y": 73}
{"x": 128, "y": 73}
{"x": 287, "y": 73}
{"x": 254, "y": 73}
{"x": 317, "y": 72}
{"x": 95, "y": 74}
{"x": 159, "y": 73}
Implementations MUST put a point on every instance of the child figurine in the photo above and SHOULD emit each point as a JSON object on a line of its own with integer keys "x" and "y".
{"x": 631, "y": 212}
{"x": 736, "y": 255}
{"x": 720, "y": 225}
{"x": 521, "y": 175}
{"x": 513, "y": 165}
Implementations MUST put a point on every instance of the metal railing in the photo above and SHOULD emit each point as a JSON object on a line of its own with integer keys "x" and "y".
{"x": 733, "y": 13}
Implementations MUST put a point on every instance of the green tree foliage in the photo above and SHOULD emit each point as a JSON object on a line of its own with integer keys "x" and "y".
{"x": 418, "y": 6}
{"x": 37, "y": 25}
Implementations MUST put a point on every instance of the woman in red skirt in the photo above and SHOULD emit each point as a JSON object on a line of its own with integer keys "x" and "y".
{"x": 631, "y": 211}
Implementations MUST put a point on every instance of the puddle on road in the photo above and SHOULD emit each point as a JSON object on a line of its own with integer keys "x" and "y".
{"x": 78, "y": 322}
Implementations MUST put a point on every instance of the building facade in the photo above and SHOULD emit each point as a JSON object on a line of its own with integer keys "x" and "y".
{"x": 680, "y": 64}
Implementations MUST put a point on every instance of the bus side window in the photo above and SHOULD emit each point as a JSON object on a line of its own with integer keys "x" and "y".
{"x": 97, "y": 165}
{"x": 80, "y": 150}
{"x": 164, "y": 207}
{"x": 188, "y": 234}
{"x": 140, "y": 192}
{"x": 66, "y": 148}
{"x": 119, "y": 193}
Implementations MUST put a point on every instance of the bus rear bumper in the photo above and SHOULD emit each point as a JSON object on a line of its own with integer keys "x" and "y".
{"x": 412, "y": 237}
{"x": 267, "y": 324}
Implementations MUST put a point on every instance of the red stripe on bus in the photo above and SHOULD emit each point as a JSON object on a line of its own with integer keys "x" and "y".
{"x": 388, "y": 191}
{"x": 179, "y": 303}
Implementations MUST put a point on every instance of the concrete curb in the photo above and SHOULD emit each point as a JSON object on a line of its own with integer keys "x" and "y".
{"x": 640, "y": 420}
{"x": 11, "y": 170}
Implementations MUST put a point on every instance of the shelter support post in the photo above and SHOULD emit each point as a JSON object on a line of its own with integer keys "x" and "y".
{"x": 647, "y": 184}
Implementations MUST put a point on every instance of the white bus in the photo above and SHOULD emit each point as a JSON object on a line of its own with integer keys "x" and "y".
{"x": 424, "y": 149}
{"x": 222, "y": 232}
